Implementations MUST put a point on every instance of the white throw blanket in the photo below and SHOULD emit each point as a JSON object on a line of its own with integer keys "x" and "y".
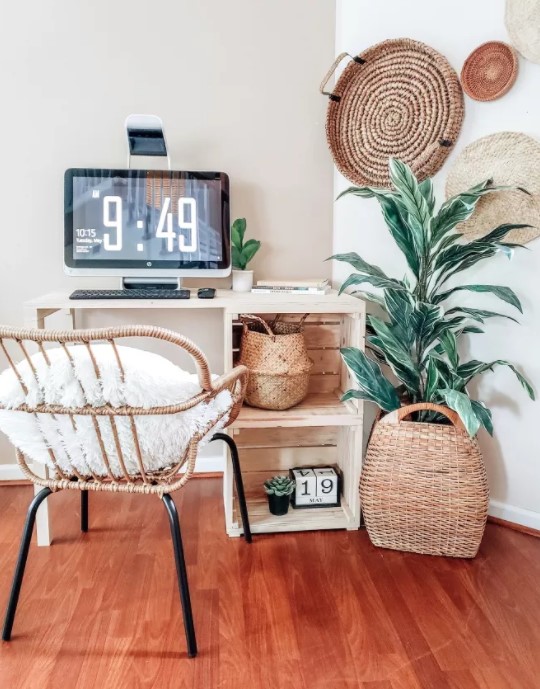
{"x": 150, "y": 380}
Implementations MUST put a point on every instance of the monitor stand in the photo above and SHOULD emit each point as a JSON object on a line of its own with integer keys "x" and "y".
{"x": 151, "y": 283}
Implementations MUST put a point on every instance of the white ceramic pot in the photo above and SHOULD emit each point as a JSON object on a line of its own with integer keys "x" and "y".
{"x": 242, "y": 280}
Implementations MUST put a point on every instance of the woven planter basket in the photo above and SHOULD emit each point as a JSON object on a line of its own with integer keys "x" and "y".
{"x": 423, "y": 486}
{"x": 277, "y": 360}
{"x": 399, "y": 98}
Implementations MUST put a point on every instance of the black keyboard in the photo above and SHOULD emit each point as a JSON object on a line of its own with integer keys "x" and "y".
{"x": 145, "y": 293}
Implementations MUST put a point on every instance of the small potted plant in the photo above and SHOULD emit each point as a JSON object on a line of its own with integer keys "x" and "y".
{"x": 242, "y": 253}
{"x": 279, "y": 490}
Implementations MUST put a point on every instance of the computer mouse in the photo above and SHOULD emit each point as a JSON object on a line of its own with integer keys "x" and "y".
{"x": 206, "y": 293}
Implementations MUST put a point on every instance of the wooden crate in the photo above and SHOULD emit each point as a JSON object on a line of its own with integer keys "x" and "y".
{"x": 321, "y": 430}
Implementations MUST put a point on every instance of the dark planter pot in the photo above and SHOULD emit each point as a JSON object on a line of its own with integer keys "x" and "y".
{"x": 279, "y": 504}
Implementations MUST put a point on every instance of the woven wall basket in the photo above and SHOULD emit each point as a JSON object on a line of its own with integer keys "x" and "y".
{"x": 278, "y": 362}
{"x": 423, "y": 486}
{"x": 523, "y": 24}
{"x": 399, "y": 98}
{"x": 490, "y": 71}
{"x": 508, "y": 158}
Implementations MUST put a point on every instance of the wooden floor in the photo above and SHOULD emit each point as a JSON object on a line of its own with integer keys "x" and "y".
{"x": 309, "y": 610}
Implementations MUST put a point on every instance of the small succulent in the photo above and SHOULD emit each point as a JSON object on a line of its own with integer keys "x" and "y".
{"x": 279, "y": 485}
{"x": 242, "y": 252}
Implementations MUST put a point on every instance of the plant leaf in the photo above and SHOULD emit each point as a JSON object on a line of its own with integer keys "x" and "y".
{"x": 479, "y": 314}
{"x": 238, "y": 231}
{"x": 504, "y": 293}
{"x": 250, "y": 249}
{"x": 426, "y": 189}
{"x": 237, "y": 259}
{"x": 449, "y": 344}
{"x": 423, "y": 322}
{"x": 396, "y": 355}
{"x": 370, "y": 296}
{"x": 359, "y": 279}
{"x": 401, "y": 232}
{"x": 483, "y": 414}
{"x": 460, "y": 403}
{"x": 370, "y": 379}
{"x": 399, "y": 305}
{"x": 366, "y": 192}
{"x": 474, "y": 367}
{"x": 432, "y": 379}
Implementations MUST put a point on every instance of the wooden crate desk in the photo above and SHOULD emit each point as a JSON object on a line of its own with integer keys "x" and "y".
{"x": 321, "y": 430}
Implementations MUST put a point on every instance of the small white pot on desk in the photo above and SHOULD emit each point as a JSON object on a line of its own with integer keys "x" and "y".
{"x": 242, "y": 280}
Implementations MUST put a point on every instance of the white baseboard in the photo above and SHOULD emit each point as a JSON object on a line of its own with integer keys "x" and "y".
{"x": 516, "y": 515}
{"x": 11, "y": 472}
{"x": 209, "y": 464}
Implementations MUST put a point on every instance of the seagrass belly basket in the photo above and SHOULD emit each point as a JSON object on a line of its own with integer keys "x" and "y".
{"x": 278, "y": 362}
{"x": 423, "y": 486}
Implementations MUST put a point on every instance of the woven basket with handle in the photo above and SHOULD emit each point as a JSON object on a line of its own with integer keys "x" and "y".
{"x": 423, "y": 486}
{"x": 278, "y": 362}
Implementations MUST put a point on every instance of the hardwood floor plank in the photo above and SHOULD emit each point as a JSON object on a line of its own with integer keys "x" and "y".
{"x": 321, "y": 610}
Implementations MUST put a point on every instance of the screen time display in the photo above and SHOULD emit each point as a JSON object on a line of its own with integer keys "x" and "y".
{"x": 146, "y": 218}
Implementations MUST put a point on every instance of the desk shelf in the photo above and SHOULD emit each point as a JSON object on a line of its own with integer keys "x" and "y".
{"x": 321, "y": 430}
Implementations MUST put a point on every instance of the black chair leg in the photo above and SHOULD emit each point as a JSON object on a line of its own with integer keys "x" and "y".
{"x": 181, "y": 574}
{"x": 84, "y": 511}
{"x": 21, "y": 562}
{"x": 238, "y": 481}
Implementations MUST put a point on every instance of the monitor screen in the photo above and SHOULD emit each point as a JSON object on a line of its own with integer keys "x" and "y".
{"x": 146, "y": 220}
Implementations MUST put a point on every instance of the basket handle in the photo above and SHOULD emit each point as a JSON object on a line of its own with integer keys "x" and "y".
{"x": 403, "y": 412}
{"x": 247, "y": 317}
{"x": 331, "y": 71}
{"x": 300, "y": 322}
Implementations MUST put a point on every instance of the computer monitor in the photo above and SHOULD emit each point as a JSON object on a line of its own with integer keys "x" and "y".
{"x": 146, "y": 223}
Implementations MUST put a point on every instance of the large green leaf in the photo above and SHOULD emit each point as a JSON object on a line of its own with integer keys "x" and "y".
{"x": 504, "y": 293}
{"x": 374, "y": 281}
{"x": 250, "y": 249}
{"x": 474, "y": 367}
{"x": 423, "y": 322}
{"x": 483, "y": 414}
{"x": 449, "y": 344}
{"x": 426, "y": 189}
{"x": 237, "y": 259}
{"x": 401, "y": 232}
{"x": 366, "y": 193}
{"x": 370, "y": 379}
{"x": 432, "y": 381}
{"x": 460, "y": 403}
{"x": 478, "y": 314}
{"x": 396, "y": 355}
{"x": 399, "y": 305}
{"x": 370, "y": 296}
{"x": 412, "y": 198}
{"x": 238, "y": 231}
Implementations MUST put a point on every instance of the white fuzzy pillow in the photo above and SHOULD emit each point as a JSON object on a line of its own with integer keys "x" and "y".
{"x": 150, "y": 381}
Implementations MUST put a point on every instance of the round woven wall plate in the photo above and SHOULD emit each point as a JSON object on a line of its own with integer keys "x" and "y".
{"x": 489, "y": 71}
{"x": 508, "y": 158}
{"x": 522, "y": 20}
{"x": 399, "y": 98}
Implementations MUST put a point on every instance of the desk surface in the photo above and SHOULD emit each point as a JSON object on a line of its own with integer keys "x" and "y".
{"x": 227, "y": 300}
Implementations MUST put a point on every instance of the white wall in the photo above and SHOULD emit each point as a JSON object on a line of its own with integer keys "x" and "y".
{"x": 455, "y": 29}
{"x": 236, "y": 84}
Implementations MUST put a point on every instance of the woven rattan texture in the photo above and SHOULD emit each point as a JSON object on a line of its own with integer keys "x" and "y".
{"x": 490, "y": 71}
{"x": 508, "y": 158}
{"x": 424, "y": 489}
{"x": 523, "y": 24}
{"x": 402, "y": 100}
{"x": 15, "y": 344}
{"x": 278, "y": 363}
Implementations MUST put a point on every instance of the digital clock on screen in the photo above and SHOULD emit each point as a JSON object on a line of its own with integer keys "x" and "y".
{"x": 146, "y": 218}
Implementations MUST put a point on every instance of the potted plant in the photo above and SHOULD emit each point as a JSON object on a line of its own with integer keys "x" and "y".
{"x": 423, "y": 484}
{"x": 242, "y": 253}
{"x": 279, "y": 490}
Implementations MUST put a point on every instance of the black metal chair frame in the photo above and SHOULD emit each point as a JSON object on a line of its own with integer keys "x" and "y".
{"x": 176, "y": 536}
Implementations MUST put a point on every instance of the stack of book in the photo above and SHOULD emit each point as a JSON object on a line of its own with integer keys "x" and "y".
{"x": 316, "y": 287}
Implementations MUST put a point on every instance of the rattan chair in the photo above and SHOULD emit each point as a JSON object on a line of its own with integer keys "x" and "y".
{"x": 17, "y": 345}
